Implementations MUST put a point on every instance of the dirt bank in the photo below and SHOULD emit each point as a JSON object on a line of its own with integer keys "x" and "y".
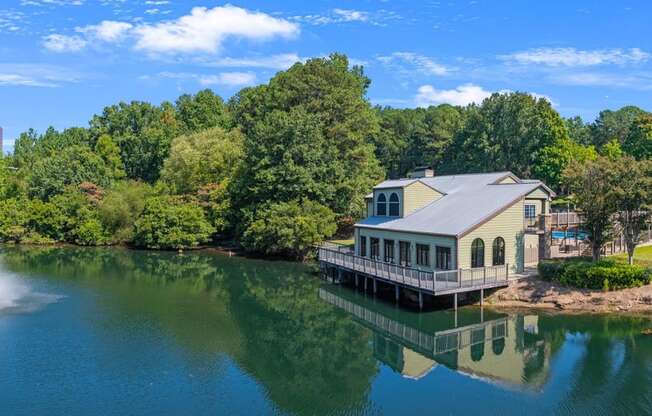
{"x": 535, "y": 293}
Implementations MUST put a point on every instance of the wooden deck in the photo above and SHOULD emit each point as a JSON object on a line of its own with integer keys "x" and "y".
{"x": 565, "y": 219}
{"x": 429, "y": 344}
{"x": 434, "y": 283}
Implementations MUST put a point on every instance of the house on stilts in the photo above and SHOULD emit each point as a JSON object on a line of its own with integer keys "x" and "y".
{"x": 446, "y": 235}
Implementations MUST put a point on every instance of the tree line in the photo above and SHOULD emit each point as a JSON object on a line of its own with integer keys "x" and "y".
{"x": 278, "y": 166}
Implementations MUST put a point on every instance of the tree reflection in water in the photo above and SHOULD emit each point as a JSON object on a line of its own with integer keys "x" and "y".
{"x": 319, "y": 349}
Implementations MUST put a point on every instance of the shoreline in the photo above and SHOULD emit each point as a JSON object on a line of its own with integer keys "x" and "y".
{"x": 534, "y": 293}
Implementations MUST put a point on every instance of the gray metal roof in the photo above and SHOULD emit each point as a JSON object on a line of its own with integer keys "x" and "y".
{"x": 468, "y": 201}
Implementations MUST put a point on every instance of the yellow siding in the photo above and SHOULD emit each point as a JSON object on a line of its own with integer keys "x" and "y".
{"x": 539, "y": 197}
{"x": 418, "y": 195}
{"x": 508, "y": 225}
{"x": 414, "y": 239}
{"x": 511, "y": 364}
{"x": 508, "y": 179}
{"x": 388, "y": 192}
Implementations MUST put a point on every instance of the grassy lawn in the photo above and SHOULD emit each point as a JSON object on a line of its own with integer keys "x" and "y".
{"x": 642, "y": 256}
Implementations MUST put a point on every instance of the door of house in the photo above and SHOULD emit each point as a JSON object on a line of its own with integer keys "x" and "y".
{"x": 531, "y": 253}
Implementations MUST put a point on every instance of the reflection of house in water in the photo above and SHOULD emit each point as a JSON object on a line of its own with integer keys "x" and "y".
{"x": 498, "y": 348}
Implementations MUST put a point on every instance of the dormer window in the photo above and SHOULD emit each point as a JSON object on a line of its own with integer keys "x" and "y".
{"x": 381, "y": 205}
{"x": 394, "y": 205}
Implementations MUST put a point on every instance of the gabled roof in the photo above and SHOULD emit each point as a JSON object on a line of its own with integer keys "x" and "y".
{"x": 469, "y": 201}
{"x": 404, "y": 183}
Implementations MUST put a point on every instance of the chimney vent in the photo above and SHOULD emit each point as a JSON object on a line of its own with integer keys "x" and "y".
{"x": 422, "y": 172}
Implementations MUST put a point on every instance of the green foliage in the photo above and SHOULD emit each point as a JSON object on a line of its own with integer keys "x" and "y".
{"x": 578, "y": 131}
{"x": 605, "y": 274}
{"x": 199, "y": 159}
{"x": 47, "y": 219}
{"x": 638, "y": 142}
{"x": 143, "y": 132}
{"x": 13, "y": 220}
{"x": 120, "y": 208}
{"x": 167, "y": 223}
{"x": 110, "y": 154}
{"x": 616, "y": 125}
{"x": 612, "y": 150}
{"x": 554, "y": 159}
{"x": 216, "y": 202}
{"x": 90, "y": 232}
{"x": 80, "y": 210}
{"x": 415, "y": 137}
{"x": 307, "y": 136}
{"x": 507, "y": 132}
{"x": 202, "y": 111}
{"x": 632, "y": 194}
{"x": 591, "y": 185}
{"x": 71, "y": 166}
{"x": 289, "y": 228}
{"x": 30, "y": 146}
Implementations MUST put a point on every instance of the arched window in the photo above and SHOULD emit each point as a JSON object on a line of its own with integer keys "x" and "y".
{"x": 477, "y": 253}
{"x": 498, "y": 346}
{"x": 499, "y": 251}
{"x": 394, "y": 207}
{"x": 381, "y": 205}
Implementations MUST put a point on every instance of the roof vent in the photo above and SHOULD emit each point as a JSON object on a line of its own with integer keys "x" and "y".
{"x": 422, "y": 172}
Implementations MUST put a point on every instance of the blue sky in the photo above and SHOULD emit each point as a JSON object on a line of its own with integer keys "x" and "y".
{"x": 61, "y": 61}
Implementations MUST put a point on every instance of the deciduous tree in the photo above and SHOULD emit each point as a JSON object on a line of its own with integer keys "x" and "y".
{"x": 592, "y": 191}
{"x": 632, "y": 193}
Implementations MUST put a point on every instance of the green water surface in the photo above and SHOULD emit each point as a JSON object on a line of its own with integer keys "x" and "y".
{"x": 118, "y": 332}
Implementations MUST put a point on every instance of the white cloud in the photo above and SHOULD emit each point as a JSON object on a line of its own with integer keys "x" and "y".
{"x": 462, "y": 95}
{"x": 280, "y": 61}
{"x": 204, "y": 30}
{"x": 63, "y": 43}
{"x": 51, "y": 2}
{"x": 11, "y": 21}
{"x": 423, "y": 64}
{"x": 334, "y": 16}
{"x": 22, "y": 80}
{"x": 28, "y": 75}
{"x": 107, "y": 31}
{"x": 229, "y": 79}
{"x": 639, "y": 81}
{"x": 572, "y": 57}
{"x": 348, "y": 15}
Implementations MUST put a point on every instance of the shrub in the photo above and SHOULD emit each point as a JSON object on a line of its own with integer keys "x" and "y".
{"x": 47, "y": 221}
{"x": 120, "y": 208}
{"x": 13, "y": 220}
{"x": 289, "y": 228}
{"x": 552, "y": 269}
{"x": 606, "y": 274}
{"x": 168, "y": 223}
{"x": 71, "y": 166}
{"x": 90, "y": 233}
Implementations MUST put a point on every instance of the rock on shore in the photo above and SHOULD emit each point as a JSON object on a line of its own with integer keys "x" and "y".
{"x": 536, "y": 293}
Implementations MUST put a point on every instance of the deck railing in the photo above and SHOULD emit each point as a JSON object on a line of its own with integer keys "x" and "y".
{"x": 559, "y": 219}
{"x": 534, "y": 223}
{"x": 425, "y": 280}
{"x": 438, "y": 343}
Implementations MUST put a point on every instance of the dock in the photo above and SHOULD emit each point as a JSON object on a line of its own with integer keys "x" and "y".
{"x": 340, "y": 262}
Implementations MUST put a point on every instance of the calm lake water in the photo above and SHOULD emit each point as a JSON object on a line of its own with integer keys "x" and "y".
{"x": 116, "y": 332}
